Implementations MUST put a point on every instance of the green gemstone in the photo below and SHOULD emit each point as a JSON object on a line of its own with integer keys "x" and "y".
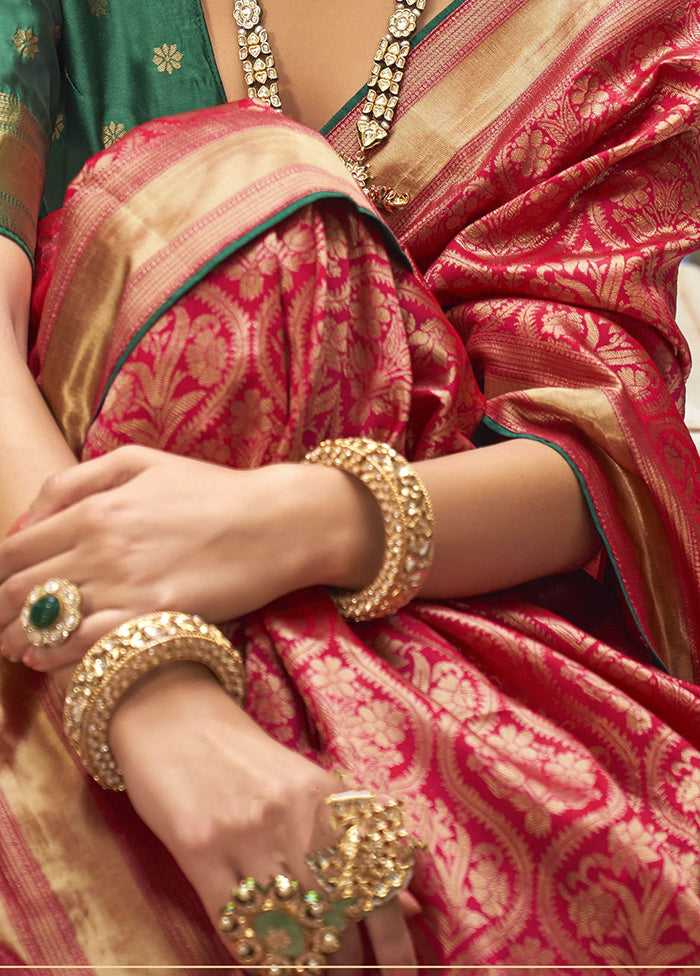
{"x": 280, "y": 933}
{"x": 336, "y": 917}
{"x": 44, "y": 612}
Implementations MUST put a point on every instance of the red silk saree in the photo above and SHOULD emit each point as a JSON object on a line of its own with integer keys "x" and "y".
{"x": 244, "y": 305}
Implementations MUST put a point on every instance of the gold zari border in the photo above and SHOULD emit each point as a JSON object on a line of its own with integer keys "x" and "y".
{"x": 589, "y": 409}
{"x": 24, "y": 150}
{"x": 516, "y": 47}
{"x": 136, "y": 257}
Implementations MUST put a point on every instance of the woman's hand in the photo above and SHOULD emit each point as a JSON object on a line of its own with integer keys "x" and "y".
{"x": 140, "y": 530}
{"x": 228, "y": 801}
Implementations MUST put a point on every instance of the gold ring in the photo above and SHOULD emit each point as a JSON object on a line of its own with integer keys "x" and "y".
{"x": 280, "y": 928}
{"x": 51, "y": 613}
{"x": 372, "y": 858}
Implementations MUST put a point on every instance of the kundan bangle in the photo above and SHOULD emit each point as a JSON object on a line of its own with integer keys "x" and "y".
{"x": 119, "y": 659}
{"x": 408, "y": 523}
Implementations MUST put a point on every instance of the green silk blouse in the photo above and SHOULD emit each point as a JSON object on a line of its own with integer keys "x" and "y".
{"x": 75, "y": 75}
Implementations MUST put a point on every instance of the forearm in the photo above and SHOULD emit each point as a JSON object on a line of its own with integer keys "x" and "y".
{"x": 31, "y": 446}
{"x": 504, "y": 514}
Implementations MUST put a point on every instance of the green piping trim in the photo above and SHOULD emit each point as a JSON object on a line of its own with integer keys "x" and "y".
{"x": 499, "y": 429}
{"x": 226, "y": 252}
{"x": 18, "y": 240}
{"x": 344, "y": 110}
{"x": 355, "y": 100}
{"x": 435, "y": 22}
{"x": 209, "y": 50}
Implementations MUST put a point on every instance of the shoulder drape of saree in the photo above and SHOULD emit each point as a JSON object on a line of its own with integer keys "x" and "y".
{"x": 195, "y": 189}
{"x": 548, "y": 219}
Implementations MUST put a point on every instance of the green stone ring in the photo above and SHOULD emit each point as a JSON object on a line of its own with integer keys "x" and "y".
{"x": 280, "y": 928}
{"x": 51, "y": 613}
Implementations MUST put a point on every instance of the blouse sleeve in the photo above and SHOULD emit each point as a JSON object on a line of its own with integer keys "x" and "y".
{"x": 30, "y": 32}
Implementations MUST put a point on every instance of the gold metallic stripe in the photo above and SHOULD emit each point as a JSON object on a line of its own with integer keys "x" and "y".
{"x": 94, "y": 886}
{"x": 157, "y": 238}
{"x": 510, "y": 59}
{"x": 590, "y": 410}
{"x": 24, "y": 149}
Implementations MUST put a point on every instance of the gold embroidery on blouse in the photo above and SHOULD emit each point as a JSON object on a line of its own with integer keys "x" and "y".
{"x": 98, "y": 8}
{"x": 26, "y": 42}
{"x": 167, "y": 58}
{"x": 24, "y": 148}
{"x": 59, "y": 126}
{"x": 112, "y": 133}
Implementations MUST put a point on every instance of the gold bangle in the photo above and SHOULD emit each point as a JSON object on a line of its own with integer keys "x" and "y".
{"x": 119, "y": 659}
{"x": 408, "y": 523}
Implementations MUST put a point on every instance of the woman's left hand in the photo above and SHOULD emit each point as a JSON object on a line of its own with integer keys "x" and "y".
{"x": 141, "y": 530}
{"x": 229, "y": 802}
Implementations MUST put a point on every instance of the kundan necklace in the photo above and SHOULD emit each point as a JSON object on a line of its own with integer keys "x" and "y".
{"x": 384, "y": 84}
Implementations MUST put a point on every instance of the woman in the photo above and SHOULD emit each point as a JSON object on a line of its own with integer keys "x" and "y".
{"x": 520, "y": 705}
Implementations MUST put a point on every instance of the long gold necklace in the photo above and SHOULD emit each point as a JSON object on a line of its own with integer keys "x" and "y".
{"x": 379, "y": 107}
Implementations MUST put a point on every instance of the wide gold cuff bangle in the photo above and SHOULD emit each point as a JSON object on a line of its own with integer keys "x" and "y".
{"x": 119, "y": 659}
{"x": 408, "y": 523}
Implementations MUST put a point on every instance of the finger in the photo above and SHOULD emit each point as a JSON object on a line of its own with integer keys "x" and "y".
{"x": 27, "y": 553}
{"x": 19, "y": 523}
{"x": 410, "y": 906}
{"x": 214, "y": 883}
{"x": 52, "y": 659}
{"x": 350, "y": 956}
{"x": 391, "y": 940}
{"x": 66, "y": 488}
{"x": 16, "y": 646}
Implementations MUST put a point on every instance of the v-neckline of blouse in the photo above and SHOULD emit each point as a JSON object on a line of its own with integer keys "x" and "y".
{"x": 355, "y": 99}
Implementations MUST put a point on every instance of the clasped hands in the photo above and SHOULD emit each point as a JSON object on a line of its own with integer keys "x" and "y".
{"x": 140, "y": 530}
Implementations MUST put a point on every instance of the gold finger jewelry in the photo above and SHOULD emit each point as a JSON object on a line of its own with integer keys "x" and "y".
{"x": 373, "y": 857}
{"x": 280, "y": 928}
{"x": 408, "y": 523}
{"x": 119, "y": 659}
{"x": 51, "y": 613}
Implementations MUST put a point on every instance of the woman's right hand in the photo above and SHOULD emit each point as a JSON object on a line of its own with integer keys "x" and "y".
{"x": 140, "y": 530}
{"x": 229, "y": 802}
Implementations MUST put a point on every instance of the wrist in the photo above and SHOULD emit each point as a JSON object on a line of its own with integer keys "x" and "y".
{"x": 171, "y": 689}
{"x": 340, "y": 528}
